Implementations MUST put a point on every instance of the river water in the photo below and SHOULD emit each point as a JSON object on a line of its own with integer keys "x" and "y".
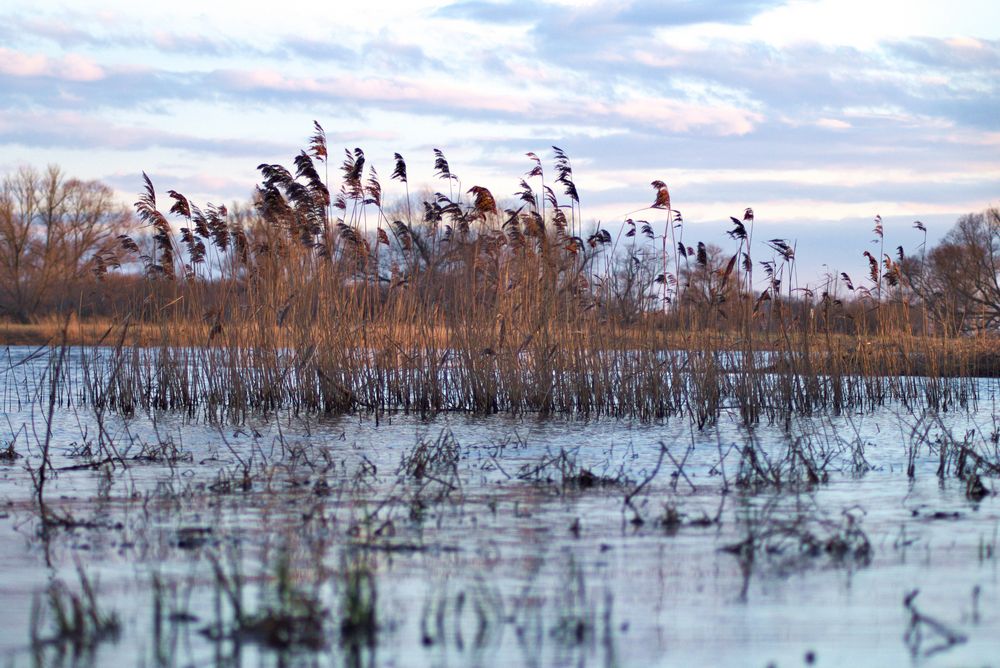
{"x": 487, "y": 541}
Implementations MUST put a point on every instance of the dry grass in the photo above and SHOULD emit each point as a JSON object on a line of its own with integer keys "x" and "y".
{"x": 476, "y": 309}
{"x": 429, "y": 368}
{"x": 96, "y": 332}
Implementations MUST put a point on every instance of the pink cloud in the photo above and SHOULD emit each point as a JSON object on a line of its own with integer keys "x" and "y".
{"x": 79, "y": 68}
{"x": 349, "y": 87}
{"x": 683, "y": 116}
{"x": 833, "y": 124}
{"x": 19, "y": 64}
{"x": 74, "y": 130}
{"x": 663, "y": 113}
{"x": 71, "y": 67}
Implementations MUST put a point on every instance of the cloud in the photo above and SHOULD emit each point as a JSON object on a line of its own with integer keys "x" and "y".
{"x": 72, "y": 130}
{"x": 469, "y": 100}
{"x": 77, "y": 131}
{"x": 644, "y": 14}
{"x": 687, "y": 12}
{"x": 79, "y": 31}
{"x": 641, "y": 85}
{"x": 71, "y": 67}
{"x": 678, "y": 116}
{"x": 833, "y": 124}
{"x": 393, "y": 93}
{"x": 804, "y": 83}
{"x": 322, "y": 50}
{"x": 66, "y": 32}
{"x": 483, "y": 11}
{"x": 200, "y": 187}
{"x": 950, "y": 54}
{"x": 385, "y": 50}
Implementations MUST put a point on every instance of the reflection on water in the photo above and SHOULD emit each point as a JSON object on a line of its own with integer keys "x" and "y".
{"x": 497, "y": 541}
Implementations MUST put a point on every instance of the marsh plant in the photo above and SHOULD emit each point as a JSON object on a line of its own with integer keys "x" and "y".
{"x": 463, "y": 617}
{"x": 322, "y": 301}
{"x": 358, "y": 602}
{"x": 286, "y": 617}
{"x": 293, "y": 610}
{"x": 8, "y": 455}
{"x": 429, "y": 458}
{"x": 787, "y": 541}
{"x": 72, "y": 622}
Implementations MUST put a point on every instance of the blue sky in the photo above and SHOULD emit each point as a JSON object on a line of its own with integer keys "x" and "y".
{"x": 817, "y": 114}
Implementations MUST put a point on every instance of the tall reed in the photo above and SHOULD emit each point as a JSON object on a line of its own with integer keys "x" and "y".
{"x": 475, "y": 307}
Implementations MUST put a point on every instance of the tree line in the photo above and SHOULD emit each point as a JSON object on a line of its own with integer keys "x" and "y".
{"x": 55, "y": 234}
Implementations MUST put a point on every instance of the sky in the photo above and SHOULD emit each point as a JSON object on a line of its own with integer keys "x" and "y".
{"x": 818, "y": 114}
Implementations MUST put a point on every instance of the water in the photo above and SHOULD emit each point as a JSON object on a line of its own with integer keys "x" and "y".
{"x": 514, "y": 545}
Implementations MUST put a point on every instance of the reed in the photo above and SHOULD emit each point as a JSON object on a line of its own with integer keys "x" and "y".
{"x": 482, "y": 309}
{"x": 77, "y": 622}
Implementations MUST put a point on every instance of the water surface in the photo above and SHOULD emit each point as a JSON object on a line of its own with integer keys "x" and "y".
{"x": 499, "y": 540}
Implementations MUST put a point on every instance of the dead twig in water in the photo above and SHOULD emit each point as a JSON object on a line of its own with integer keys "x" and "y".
{"x": 637, "y": 518}
{"x": 680, "y": 469}
{"x": 914, "y": 636}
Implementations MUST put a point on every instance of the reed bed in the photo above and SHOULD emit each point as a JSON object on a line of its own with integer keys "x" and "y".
{"x": 336, "y": 304}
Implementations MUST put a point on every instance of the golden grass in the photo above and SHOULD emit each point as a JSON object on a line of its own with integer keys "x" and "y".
{"x": 96, "y": 332}
{"x": 474, "y": 310}
{"x": 340, "y": 365}
{"x": 980, "y": 351}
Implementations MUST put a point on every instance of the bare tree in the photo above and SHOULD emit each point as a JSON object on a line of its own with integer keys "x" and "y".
{"x": 54, "y": 232}
{"x": 632, "y": 286}
{"x": 959, "y": 281}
